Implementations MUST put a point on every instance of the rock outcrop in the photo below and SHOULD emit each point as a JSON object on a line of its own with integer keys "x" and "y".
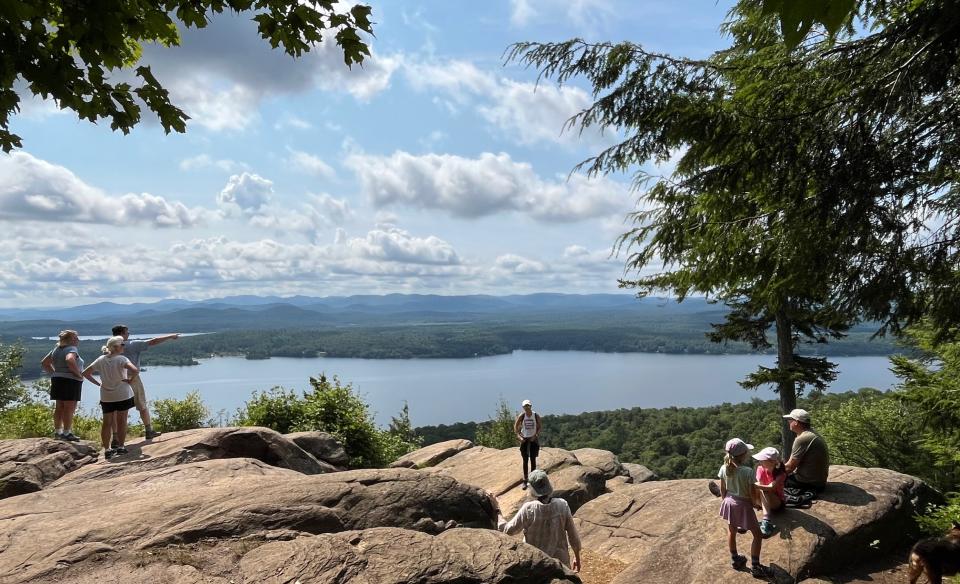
{"x": 669, "y": 531}
{"x": 639, "y": 473}
{"x": 323, "y": 447}
{"x": 606, "y": 461}
{"x": 31, "y": 464}
{"x": 220, "y": 499}
{"x": 500, "y": 473}
{"x": 178, "y": 448}
{"x": 398, "y": 556}
{"x": 432, "y": 455}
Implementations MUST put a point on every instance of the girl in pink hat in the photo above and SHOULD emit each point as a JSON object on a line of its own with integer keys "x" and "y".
{"x": 738, "y": 491}
{"x": 771, "y": 475}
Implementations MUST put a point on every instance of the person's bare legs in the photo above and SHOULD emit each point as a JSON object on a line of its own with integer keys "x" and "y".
{"x": 106, "y": 430}
{"x": 732, "y": 540}
{"x": 58, "y": 409}
{"x": 770, "y": 502}
{"x": 120, "y": 427}
{"x": 66, "y": 415}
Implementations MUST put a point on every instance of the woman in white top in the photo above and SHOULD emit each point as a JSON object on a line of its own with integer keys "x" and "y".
{"x": 116, "y": 395}
{"x": 547, "y": 523}
{"x": 527, "y": 428}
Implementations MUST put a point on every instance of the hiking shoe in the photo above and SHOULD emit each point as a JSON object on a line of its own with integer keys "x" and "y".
{"x": 739, "y": 562}
{"x": 761, "y": 571}
{"x": 109, "y": 453}
{"x": 151, "y": 434}
{"x": 120, "y": 450}
{"x": 114, "y": 444}
{"x": 58, "y": 436}
{"x": 69, "y": 437}
{"x": 714, "y": 488}
{"x": 767, "y": 528}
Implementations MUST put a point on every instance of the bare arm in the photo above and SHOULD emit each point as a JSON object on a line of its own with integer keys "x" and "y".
{"x": 131, "y": 368}
{"x": 539, "y": 426}
{"x": 163, "y": 339}
{"x": 88, "y": 374}
{"x": 72, "y": 364}
{"x": 47, "y": 363}
{"x": 791, "y": 465}
{"x": 573, "y": 536}
{"x": 516, "y": 427}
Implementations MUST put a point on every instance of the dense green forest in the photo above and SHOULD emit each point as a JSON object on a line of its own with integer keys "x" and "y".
{"x": 673, "y": 442}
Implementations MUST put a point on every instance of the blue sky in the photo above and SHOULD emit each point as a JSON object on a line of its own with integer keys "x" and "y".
{"x": 433, "y": 168}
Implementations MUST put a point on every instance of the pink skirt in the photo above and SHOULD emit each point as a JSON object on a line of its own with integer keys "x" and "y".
{"x": 739, "y": 512}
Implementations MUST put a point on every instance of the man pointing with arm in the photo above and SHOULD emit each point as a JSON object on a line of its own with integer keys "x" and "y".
{"x": 132, "y": 352}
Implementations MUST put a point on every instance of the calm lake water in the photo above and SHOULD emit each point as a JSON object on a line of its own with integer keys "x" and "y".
{"x": 442, "y": 391}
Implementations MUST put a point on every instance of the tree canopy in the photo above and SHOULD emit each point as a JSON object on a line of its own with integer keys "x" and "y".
{"x": 814, "y": 185}
{"x": 67, "y": 51}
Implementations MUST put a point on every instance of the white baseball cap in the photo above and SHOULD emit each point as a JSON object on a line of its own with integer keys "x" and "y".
{"x": 525, "y": 403}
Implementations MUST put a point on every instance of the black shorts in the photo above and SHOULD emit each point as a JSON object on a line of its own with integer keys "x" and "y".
{"x": 120, "y": 406}
{"x": 530, "y": 448}
{"x": 65, "y": 389}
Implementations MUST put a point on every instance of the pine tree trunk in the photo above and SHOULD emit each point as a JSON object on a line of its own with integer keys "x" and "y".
{"x": 785, "y": 388}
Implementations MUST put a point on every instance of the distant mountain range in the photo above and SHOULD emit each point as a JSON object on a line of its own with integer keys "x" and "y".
{"x": 274, "y": 312}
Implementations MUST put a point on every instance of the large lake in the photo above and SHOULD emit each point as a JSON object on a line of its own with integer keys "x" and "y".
{"x": 442, "y": 391}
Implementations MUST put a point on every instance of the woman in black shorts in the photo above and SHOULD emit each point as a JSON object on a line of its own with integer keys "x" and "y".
{"x": 64, "y": 365}
{"x": 116, "y": 395}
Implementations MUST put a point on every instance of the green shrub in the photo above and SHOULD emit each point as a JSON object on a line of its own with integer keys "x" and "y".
{"x": 171, "y": 415}
{"x": 336, "y": 408}
{"x": 498, "y": 431}
{"x": 276, "y": 408}
{"x": 939, "y": 518}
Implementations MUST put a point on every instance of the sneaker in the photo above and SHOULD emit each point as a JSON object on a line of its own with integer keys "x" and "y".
{"x": 120, "y": 450}
{"x": 58, "y": 436}
{"x": 767, "y": 528}
{"x": 151, "y": 434}
{"x": 761, "y": 571}
{"x": 109, "y": 453}
{"x": 714, "y": 488}
{"x": 114, "y": 444}
{"x": 69, "y": 437}
{"x": 739, "y": 562}
{"x": 523, "y": 485}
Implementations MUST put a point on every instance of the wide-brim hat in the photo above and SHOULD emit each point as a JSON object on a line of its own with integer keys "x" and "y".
{"x": 540, "y": 484}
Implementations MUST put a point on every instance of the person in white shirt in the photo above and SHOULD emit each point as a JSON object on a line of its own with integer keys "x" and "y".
{"x": 527, "y": 428}
{"x": 116, "y": 395}
{"x": 546, "y": 522}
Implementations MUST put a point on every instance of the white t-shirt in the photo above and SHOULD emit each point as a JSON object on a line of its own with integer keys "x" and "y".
{"x": 113, "y": 372}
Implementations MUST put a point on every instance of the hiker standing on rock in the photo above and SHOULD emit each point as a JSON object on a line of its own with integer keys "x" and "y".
{"x": 546, "y": 522}
{"x": 133, "y": 350}
{"x": 527, "y": 428}
{"x": 65, "y": 367}
{"x": 116, "y": 395}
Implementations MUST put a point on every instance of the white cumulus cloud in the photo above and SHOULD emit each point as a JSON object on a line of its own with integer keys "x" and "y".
{"x": 246, "y": 192}
{"x": 34, "y": 189}
{"x": 476, "y": 187}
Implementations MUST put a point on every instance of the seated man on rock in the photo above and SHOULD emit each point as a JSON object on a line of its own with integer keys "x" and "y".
{"x": 809, "y": 459}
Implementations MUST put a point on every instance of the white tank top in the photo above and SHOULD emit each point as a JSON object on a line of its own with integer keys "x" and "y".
{"x": 528, "y": 427}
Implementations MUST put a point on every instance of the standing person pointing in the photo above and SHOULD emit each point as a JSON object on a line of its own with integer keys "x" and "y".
{"x": 132, "y": 352}
{"x": 527, "y": 428}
